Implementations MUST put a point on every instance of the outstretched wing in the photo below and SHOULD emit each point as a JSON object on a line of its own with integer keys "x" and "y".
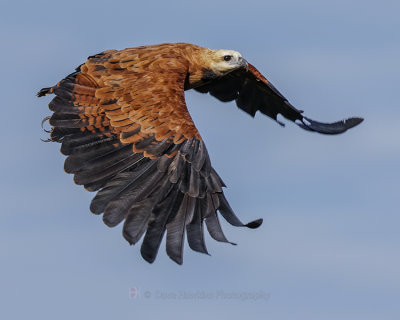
{"x": 253, "y": 92}
{"x": 124, "y": 126}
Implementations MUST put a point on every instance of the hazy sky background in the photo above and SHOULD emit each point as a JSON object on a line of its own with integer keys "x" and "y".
{"x": 329, "y": 245}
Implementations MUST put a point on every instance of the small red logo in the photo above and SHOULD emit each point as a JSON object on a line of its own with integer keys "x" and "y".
{"x": 134, "y": 293}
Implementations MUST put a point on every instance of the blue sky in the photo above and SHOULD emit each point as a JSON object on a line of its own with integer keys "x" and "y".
{"x": 329, "y": 245}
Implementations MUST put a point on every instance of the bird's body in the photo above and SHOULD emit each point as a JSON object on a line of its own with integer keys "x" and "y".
{"x": 124, "y": 125}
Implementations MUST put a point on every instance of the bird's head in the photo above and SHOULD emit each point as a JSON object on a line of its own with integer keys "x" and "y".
{"x": 225, "y": 61}
{"x": 207, "y": 64}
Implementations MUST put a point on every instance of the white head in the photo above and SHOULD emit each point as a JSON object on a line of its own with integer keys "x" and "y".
{"x": 225, "y": 61}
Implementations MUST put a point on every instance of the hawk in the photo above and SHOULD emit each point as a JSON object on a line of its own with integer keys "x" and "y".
{"x": 122, "y": 122}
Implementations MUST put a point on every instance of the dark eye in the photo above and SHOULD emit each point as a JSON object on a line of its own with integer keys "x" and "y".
{"x": 227, "y": 58}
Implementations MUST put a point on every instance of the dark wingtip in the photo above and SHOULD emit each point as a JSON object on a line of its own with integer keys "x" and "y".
{"x": 352, "y": 122}
{"x": 95, "y": 206}
{"x": 329, "y": 128}
{"x": 43, "y": 92}
{"x": 177, "y": 260}
{"x": 109, "y": 221}
{"x": 254, "y": 224}
{"x": 147, "y": 257}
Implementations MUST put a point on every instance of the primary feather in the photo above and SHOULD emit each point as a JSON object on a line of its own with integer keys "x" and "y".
{"x": 123, "y": 123}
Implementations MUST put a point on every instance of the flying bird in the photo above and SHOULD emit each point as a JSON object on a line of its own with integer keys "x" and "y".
{"x": 122, "y": 122}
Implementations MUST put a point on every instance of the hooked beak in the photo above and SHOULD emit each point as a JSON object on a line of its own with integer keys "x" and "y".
{"x": 243, "y": 63}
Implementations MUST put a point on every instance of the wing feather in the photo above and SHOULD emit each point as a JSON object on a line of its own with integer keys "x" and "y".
{"x": 122, "y": 121}
{"x": 195, "y": 231}
{"x": 253, "y": 92}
